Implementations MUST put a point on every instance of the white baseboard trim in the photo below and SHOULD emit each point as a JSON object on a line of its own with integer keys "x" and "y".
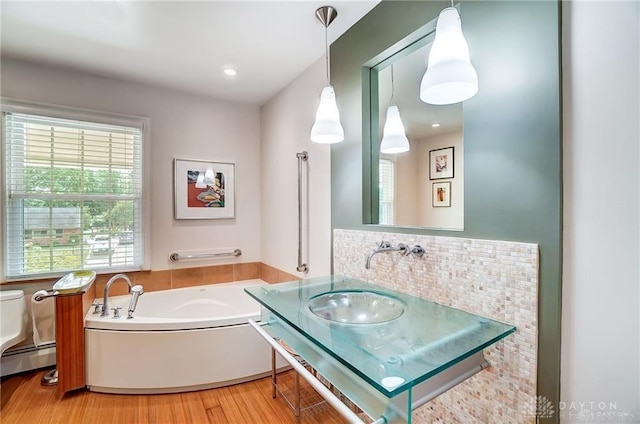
{"x": 27, "y": 358}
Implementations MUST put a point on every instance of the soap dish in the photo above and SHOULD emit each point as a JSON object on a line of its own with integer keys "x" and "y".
{"x": 74, "y": 282}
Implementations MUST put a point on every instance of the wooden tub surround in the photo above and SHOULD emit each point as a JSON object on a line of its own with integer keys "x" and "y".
{"x": 176, "y": 278}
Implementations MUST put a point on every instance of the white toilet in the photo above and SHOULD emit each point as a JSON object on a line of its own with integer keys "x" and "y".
{"x": 13, "y": 316}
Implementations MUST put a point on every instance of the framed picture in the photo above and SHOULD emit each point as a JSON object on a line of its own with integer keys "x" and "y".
{"x": 441, "y": 195}
{"x": 204, "y": 190}
{"x": 441, "y": 163}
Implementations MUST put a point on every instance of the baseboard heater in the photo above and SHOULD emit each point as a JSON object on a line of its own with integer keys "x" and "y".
{"x": 28, "y": 358}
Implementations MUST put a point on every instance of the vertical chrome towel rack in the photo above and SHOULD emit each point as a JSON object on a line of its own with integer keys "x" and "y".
{"x": 302, "y": 157}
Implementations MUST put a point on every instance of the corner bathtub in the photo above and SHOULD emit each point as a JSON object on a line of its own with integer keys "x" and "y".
{"x": 179, "y": 340}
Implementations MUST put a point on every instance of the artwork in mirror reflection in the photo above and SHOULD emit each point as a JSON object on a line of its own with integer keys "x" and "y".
{"x": 405, "y": 187}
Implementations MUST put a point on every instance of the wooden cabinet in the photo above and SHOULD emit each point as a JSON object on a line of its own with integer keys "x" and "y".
{"x": 70, "y": 355}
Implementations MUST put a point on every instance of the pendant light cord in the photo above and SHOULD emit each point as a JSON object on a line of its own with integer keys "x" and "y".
{"x": 392, "y": 87}
{"x": 327, "y": 57}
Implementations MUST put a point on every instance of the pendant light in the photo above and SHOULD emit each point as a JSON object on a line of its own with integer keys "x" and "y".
{"x": 327, "y": 128}
{"x": 450, "y": 76}
{"x": 394, "y": 139}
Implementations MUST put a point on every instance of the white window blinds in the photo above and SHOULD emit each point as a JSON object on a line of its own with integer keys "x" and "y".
{"x": 386, "y": 191}
{"x": 73, "y": 195}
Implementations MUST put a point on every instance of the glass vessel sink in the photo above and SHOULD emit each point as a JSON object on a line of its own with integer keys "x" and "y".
{"x": 356, "y": 307}
{"x": 424, "y": 340}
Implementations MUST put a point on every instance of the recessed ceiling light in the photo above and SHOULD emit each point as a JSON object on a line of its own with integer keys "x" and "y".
{"x": 436, "y": 125}
{"x": 230, "y": 71}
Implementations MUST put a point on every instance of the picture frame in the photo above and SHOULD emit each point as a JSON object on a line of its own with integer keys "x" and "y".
{"x": 441, "y": 195}
{"x": 441, "y": 163}
{"x": 204, "y": 189}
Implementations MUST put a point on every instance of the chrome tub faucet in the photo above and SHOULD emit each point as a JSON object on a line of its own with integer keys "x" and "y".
{"x": 105, "y": 300}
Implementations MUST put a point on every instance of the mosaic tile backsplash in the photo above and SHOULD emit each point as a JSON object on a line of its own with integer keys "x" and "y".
{"x": 495, "y": 279}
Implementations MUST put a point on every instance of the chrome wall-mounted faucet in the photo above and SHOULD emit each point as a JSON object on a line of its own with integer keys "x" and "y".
{"x": 105, "y": 300}
{"x": 384, "y": 246}
{"x": 404, "y": 249}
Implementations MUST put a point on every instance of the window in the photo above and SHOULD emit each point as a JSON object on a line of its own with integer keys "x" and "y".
{"x": 387, "y": 189}
{"x": 72, "y": 186}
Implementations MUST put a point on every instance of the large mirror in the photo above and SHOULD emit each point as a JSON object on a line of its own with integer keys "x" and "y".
{"x": 423, "y": 187}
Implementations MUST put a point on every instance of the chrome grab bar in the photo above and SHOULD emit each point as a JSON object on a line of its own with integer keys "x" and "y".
{"x": 175, "y": 257}
{"x": 302, "y": 157}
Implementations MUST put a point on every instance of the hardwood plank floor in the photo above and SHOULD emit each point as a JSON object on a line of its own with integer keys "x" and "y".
{"x": 25, "y": 401}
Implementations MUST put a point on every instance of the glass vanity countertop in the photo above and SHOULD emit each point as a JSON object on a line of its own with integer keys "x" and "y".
{"x": 392, "y": 356}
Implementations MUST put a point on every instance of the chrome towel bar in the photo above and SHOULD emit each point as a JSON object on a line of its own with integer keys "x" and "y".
{"x": 175, "y": 257}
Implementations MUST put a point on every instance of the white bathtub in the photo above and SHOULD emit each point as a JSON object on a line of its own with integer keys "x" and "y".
{"x": 179, "y": 340}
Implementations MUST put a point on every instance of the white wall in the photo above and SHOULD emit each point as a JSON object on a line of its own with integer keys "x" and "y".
{"x": 601, "y": 278}
{"x": 414, "y": 189}
{"x": 407, "y": 180}
{"x": 286, "y": 122}
{"x": 441, "y": 217}
{"x": 182, "y": 126}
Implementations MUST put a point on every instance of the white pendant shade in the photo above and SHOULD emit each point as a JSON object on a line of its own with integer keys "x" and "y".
{"x": 450, "y": 76}
{"x": 394, "y": 139}
{"x": 327, "y": 128}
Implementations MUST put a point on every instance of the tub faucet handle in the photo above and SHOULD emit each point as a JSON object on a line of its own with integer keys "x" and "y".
{"x": 116, "y": 312}
{"x": 97, "y": 307}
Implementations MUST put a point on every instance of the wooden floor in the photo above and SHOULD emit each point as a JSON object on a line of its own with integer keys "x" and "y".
{"x": 25, "y": 401}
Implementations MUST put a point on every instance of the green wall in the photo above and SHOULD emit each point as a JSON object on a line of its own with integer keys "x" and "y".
{"x": 512, "y": 136}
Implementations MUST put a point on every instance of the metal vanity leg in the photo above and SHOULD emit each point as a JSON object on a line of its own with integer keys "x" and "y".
{"x": 297, "y": 389}
{"x": 322, "y": 390}
{"x": 274, "y": 378}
